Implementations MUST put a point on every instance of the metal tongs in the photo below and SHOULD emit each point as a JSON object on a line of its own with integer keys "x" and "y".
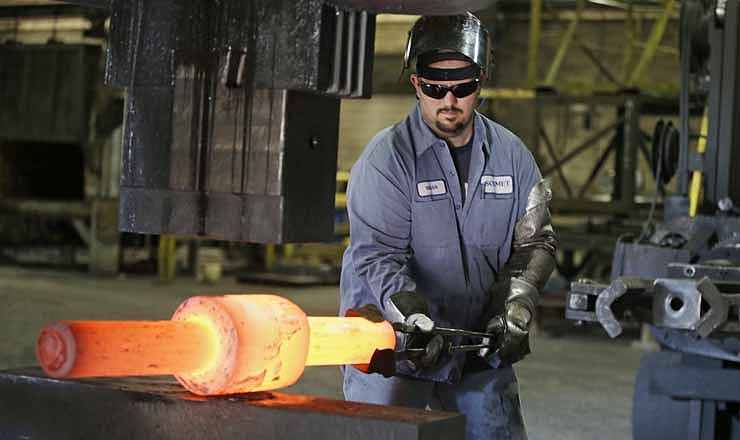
{"x": 485, "y": 338}
{"x": 383, "y": 361}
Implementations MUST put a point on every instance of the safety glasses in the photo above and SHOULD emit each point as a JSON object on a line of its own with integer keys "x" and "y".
{"x": 438, "y": 91}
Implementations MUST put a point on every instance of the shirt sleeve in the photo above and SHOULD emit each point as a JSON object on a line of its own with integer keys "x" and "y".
{"x": 379, "y": 211}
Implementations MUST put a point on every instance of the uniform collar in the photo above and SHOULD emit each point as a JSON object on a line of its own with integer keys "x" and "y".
{"x": 426, "y": 137}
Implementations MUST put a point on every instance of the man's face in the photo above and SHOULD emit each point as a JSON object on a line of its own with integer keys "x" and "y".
{"x": 448, "y": 116}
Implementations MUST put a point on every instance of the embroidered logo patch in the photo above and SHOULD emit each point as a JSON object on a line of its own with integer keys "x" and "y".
{"x": 431, "y": 188}
{"x": 497, "y": 184}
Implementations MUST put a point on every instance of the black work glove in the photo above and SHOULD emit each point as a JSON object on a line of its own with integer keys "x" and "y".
{"x": 512, "y": 344}
{"x": 422, "y": 348}
{"x": 431, "y": 348}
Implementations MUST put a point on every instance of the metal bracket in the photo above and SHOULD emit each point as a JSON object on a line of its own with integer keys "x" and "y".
{"x": 604, "y": 307}
{"x": 717, "y": 314}
{"x": 676, "y": 303}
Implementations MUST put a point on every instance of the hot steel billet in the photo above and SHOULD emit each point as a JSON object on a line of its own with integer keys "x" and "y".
{"x": 214, "y": 344}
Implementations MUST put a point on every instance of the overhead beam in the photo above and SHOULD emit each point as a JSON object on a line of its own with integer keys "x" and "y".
{"x": 80, "y": 8}
{"x": 416, "y": 7}
{"x": 534, "y": 42}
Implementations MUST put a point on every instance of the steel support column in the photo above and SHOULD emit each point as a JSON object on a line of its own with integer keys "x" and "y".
{"x": 535, "y": 22}
{"x": 564, "y": 45}
{"x": 721, "y": 158}
{"x": 656, "y": 34}
{"x": 626, "y": 158}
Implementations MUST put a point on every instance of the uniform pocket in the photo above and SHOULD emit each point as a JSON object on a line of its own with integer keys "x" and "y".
{"x": 485, "y": 261}
{"x": 491, "y": 255}
{"x": 433, "y": 223}
{"x": 437, "y": 269}
{"x": 491, "y": 224}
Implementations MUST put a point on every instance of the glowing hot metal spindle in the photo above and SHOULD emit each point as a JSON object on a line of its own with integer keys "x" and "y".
{"x": 213, "y": 345}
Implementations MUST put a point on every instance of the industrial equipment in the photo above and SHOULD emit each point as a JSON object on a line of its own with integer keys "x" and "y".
{"x": 224, "y": 138}
{"x": 682, "y": 276}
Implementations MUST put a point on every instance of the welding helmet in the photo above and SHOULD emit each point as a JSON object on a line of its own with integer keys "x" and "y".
{"x": 435, "y": 38}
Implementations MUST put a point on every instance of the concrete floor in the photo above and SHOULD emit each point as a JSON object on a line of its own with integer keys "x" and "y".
{"x": 576, "y": 386}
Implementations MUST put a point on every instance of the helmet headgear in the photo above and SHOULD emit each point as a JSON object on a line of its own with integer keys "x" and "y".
{"x": 449, "y": 37}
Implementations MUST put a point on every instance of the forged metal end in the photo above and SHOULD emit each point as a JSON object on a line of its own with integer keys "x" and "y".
{"x": 56, "y": 349}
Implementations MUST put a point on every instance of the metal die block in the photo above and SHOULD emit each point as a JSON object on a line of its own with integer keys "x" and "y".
{"x": 148, "y": 139}
{"x": 676, "y": 303}
{"x": 347, "y": 44}
{"x": 151, "y": 211}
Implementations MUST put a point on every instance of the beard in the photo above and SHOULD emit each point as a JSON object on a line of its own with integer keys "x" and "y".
{"x": 452, "y": 128}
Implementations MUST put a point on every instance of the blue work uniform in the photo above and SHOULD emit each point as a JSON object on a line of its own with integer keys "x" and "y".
{"x": 411, "y": 230}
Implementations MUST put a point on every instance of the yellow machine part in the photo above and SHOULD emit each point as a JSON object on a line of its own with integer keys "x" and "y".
{"x": 696, "y": 177}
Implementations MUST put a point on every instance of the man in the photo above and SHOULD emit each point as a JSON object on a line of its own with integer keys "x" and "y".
{"x": 449, "y": 228}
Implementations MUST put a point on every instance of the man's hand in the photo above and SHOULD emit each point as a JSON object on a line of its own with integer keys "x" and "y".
{"x": 518, "y": 318}
{"x": 411, "y": 309}
{"x": 420, "y": 321}
{"x": 417, "y": 336}
{"x": 512, "y": 344}
{"x": 433, "y": 345}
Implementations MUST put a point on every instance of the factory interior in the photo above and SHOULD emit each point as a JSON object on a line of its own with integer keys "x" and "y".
{"x": 153, "y": 151}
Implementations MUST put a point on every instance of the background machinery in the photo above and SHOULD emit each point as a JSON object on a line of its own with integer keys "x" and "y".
{"x": 682, "y": 275}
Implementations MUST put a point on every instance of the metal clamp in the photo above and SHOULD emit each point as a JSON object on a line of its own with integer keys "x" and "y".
{"x": 718, "y": 308}
{"x": 604, "y": 307}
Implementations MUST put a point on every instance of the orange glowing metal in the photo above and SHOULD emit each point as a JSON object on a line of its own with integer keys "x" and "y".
{"x": 213, "y": 345}
{"x": 342, "y": 341}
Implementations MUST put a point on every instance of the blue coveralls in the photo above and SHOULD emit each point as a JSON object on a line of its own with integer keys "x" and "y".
{"x": 411, "y": 231}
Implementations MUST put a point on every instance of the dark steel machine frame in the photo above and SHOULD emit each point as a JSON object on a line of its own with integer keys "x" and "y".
{"x": 683, "y": 277}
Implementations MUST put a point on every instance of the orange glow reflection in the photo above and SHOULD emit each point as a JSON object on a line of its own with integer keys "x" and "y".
{"x": 213, "y": 344}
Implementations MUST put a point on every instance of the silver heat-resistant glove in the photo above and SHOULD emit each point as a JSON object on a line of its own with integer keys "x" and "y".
{"x": 516, "y": 291}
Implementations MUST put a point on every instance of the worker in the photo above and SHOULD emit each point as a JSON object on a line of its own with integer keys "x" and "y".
{"x": 449, "y": 227}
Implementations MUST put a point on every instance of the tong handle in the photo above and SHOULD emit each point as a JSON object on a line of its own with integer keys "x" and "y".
{"x": 486, "y": 338}
{"x": 499, "y": 327}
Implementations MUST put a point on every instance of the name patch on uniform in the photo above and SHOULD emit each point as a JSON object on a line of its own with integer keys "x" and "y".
{"x": 497, "y": 184}
{"x": 431, "y": 188}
